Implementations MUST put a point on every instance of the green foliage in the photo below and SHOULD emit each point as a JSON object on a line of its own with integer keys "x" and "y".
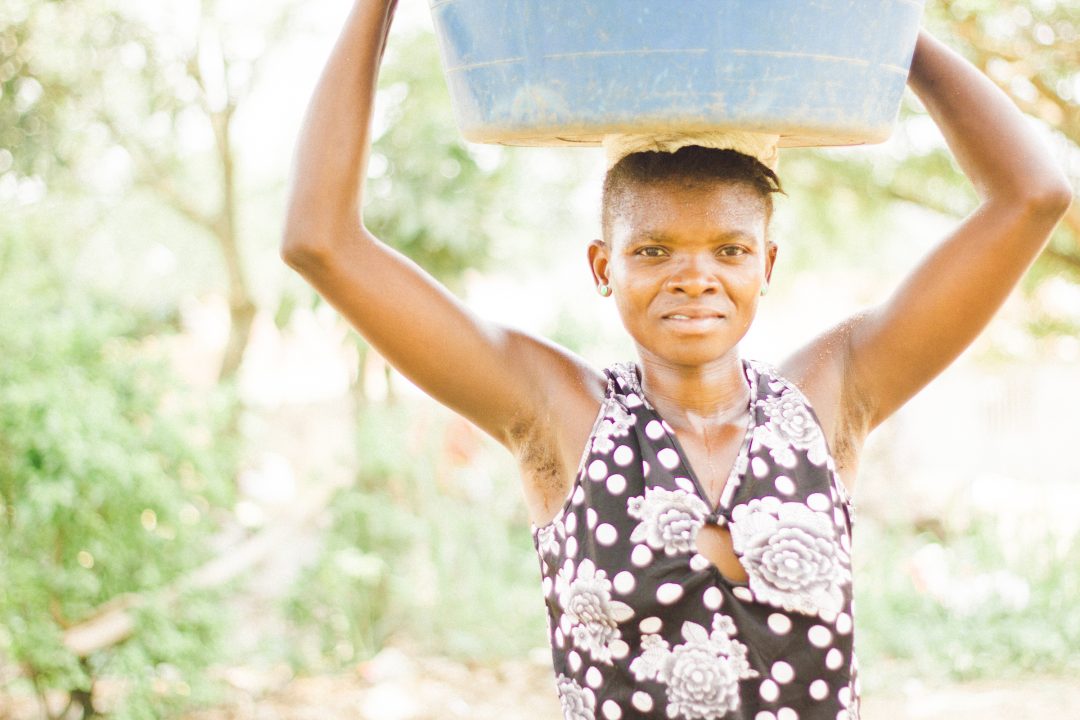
{"x": 429, "y": 194}
{"x": 110, "y": 479}
{"x": 435, "y": 557}
{"x": 994, "y": 615}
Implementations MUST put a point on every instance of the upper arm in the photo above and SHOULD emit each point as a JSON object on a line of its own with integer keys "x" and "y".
{"x": 495, "y": 376}
{"x": 895, "y": 349}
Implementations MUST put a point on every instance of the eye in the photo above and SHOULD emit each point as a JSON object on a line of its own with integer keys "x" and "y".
{"x": 731, "y": 251}
{"x": 651, "y": 251}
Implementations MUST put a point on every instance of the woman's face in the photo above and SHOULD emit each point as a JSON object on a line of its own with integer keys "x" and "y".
{"x": 686, "y": 264}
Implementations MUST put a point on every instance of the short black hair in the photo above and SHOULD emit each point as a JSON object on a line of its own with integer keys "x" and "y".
{"x": 689, "y": 165}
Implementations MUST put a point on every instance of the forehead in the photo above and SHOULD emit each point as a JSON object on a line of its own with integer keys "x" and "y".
{"x": 691, "y": 210}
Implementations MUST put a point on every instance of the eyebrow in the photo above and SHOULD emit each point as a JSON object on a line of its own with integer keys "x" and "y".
{"x": 662, "y": 237}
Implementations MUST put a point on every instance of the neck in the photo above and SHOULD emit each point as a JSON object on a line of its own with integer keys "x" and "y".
{"x": 696, "y": 397}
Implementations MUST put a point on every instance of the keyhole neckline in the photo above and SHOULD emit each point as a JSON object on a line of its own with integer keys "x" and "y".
{"x": 740, "y": 466}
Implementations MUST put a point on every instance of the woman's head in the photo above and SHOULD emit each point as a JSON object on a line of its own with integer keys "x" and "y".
{"x": 685, "y": 249}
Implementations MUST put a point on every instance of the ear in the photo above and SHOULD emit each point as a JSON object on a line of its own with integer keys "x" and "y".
{"x": 599, "y": 260}
{"x": 770, "y": 260}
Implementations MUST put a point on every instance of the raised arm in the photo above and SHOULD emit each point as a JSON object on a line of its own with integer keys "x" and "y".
{"x": 498, "y": 378}
{"x": 881, "y": 358}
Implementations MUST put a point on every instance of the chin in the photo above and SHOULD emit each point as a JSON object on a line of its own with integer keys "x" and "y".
{"x": 688, "y": 353}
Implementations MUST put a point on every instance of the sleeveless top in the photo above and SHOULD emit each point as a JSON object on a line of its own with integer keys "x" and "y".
{"x": 642, "y": 626}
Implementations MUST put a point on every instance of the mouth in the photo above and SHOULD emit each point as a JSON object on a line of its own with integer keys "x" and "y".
{"x": 693, "y": 319}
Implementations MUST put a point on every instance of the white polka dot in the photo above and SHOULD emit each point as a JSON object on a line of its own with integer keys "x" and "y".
{"x": 782, "y": 672}
{"x": 606, "y": 534}
{"x": 571, "y": 523}
{"x": 632, "y": 400}
{"x": 819, "y": 636}
{"x": 641, "y": 555}
{"x": 686, "y": 484}
{"x": 764, "y": 715}
{"x": 619, "y": 649}
{"x": 743, "y": 593}
{"x": 845, "y": 543}
{"x": 668, "y": 458}
{"x": 593, "y": 677}
{"x": 590, "y": 518}
{"x": 838, "y": 517}
{"x": 571, "y": 546}
{"x": 642, "y": 700}
{"x": 828, "y": 615}
{"x": 598, "y": 469}
{"x": 668, "y": 593}
{"x": 819, "y": 689}
{"x": 713, "y": 598}
{"x": 844, "y": 696}
{"x": 780, "y": 624}
{"x": 769, "y": 691}
{"x": 579, "y": 495}
{"x": 616, "y": 484}
{"x": 654, "y": 430}
{"x": 834, "y": 659}
{"x": 784, "y": 485}
{"x": 623, "y": 582}
{"x": 843, "y": 623}
{"x": 787, "y": 714}
{"x": 699, "y": 562}
{"x": 760, "y": 468}
{"x": 560, "y": 639}
{"x": 843, "y": 715}
{"x": 645, "y": 468}
{"x": 611, "y": 710}
{"x": 818, "y": 502}
{"x": 574, "y": 660}
{"x": 650, "y": 625}
{"x": 623, "y": 456}
{"x": 548, "y": 584}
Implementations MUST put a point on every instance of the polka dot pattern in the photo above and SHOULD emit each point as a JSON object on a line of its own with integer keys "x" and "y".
{"x": 626, "y": 587}
{"x": 642, "y": 701}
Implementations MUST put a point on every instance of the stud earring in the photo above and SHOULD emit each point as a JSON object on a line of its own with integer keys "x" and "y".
{"x": 604, "y": 290}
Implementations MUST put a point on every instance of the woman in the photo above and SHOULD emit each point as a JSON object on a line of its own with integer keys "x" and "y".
{"x": 691, "y": 510}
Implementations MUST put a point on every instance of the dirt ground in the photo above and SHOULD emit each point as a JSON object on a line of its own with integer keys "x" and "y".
{"x": 397, "y": 687}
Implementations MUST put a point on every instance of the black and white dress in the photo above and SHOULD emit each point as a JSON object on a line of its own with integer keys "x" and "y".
{"x": 643, "y": 626}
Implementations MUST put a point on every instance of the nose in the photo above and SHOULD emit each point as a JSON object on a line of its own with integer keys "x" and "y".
{"x": 693, "y": 275}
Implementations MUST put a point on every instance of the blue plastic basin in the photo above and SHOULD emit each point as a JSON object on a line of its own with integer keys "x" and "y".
{"x": 556, "y": 72}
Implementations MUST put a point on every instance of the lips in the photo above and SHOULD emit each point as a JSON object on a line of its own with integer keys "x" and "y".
{"x": 694, "y": 320}
{"x": 692, "y": 313}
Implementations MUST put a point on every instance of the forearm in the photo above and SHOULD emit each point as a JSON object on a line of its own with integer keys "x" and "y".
{"x": 995, "y": 145}
{"x": 332, "y": 149}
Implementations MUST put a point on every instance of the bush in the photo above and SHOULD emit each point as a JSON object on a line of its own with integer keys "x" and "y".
{"x": 110, "y": 481}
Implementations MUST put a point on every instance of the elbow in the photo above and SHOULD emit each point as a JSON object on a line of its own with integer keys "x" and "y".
{"x": 1051, "y": 201}
{"x": 302, "y": 248}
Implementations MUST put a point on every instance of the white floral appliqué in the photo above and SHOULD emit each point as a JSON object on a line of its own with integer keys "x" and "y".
{"x": 702, "y": 674}
{"x": 791, "y": 421}
{"x": 594, "y": 616}
{"x": 791, "y": 555}
{"x": 669, "y": 520}
{"x": 547, "y": 539}
{"x": 578, "y": 703}
{"x": 615, "y": 423}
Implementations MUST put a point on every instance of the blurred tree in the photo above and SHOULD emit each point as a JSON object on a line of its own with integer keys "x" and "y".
{"x": 89, "y": 87}
{"x": 1032, "y": 51}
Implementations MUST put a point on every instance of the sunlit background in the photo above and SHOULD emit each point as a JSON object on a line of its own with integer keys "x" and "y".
{"x": 216, "y": 502}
